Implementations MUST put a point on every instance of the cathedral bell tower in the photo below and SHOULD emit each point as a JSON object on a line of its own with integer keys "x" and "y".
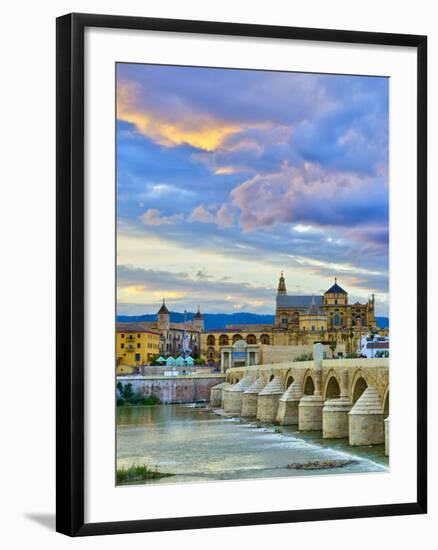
{"x": 163, "y": 317}
{"x": 198, "y": 321}
{"x": 281, "y": 285}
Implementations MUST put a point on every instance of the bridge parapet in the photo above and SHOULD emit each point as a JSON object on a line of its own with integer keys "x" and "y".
{"x": 358, "y": 372}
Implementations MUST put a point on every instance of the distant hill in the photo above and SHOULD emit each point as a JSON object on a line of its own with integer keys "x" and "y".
{"x": 211, "y": 320}
{"x": 220, "y": 320}
{"x": 382, "y": 322}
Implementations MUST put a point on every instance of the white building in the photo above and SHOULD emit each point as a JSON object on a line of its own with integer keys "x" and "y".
{"x": 378, "y": 346}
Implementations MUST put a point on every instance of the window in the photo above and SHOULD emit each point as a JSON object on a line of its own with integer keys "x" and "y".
{"x": 336, "y": 301}
{"x": 122, "y": 335}
{"x": 139, "y": 345}
{"x": 137, "y": 357}
{"x": 313, "y": 328}
{"x": 223, "y": 340}
{"x": 138, "y": 335}
{"x": 122, "y": 345}
{"x": 284, "y": 321}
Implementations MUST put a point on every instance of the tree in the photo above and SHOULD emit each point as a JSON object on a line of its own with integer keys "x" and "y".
{"x": 332, "y": 346}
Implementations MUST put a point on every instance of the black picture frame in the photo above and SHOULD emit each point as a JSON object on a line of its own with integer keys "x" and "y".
{"x": 70, "y": 273}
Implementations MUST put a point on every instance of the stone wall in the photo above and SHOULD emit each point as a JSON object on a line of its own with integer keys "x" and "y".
{"x": 178, "y": 389}
{"x": 280, "y": 354}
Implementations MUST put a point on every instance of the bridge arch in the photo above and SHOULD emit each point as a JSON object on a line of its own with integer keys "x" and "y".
{"x": 289, "y": 378}
{"x": 332, "y": 389}
{"x": 309, "y": 384}
{"x": 358, "y": 385}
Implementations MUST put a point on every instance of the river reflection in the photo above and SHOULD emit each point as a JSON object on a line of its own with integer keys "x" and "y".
{"x": 195, "y": 444}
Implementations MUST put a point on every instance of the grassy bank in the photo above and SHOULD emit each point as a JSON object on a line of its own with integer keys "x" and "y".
{"x": 127, "y": 397}
{"x": 138, "y": 474}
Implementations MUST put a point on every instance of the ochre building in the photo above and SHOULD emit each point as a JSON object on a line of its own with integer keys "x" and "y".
{"x": 135, "y": 347}
{"x": 172, "y": 334}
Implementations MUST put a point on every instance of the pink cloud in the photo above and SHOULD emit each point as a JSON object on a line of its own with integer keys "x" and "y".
{"x": 308, "y": 194}
{"x": 154, "y": 217}
{"x": 201, "y": 214}
{"x": 223, "y": 217}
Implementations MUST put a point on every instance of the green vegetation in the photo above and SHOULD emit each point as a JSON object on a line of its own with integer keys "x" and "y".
{"x": 128, "y": 398}
{"x": 138, "y": 473}
{"x": 332, "y": 346}
{"x": 304, "y": 357}
{"x": 198, "y": 360}
{"x": 353, "y": 355}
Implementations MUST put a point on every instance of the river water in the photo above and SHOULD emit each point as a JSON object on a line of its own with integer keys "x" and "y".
{"x": 196, "y": 444}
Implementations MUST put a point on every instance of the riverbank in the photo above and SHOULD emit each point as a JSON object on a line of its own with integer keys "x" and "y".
{"x": 187, "y": 388}
{"x": 136, "y": 474}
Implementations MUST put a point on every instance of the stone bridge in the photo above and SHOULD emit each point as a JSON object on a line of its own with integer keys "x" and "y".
{"x": 341, "y": 397}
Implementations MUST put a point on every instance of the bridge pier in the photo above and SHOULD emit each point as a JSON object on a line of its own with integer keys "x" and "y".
{"x": 288, "y": 405}
{"x": 387, "y": 436}
{"x": 250, "y": 397}
{"x": 335, "y": 413}
{"x": 234, "y": 393}
{"x": 267, "y": 402}
{"x": 310, "y": 407}
{"x": 227, "y": 385}
{"x": 216, "y": 393}
{"x": 310, "y": 413}
{"x": 366, "y": 420}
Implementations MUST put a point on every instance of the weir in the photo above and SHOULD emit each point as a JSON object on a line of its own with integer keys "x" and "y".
{"x": 342, "y": 398}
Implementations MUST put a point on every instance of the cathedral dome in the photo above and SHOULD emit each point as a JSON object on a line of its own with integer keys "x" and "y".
{"x": 335, "y": 289}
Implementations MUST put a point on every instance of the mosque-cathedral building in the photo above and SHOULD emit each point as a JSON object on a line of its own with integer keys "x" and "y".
{"x": 300, "y": 321}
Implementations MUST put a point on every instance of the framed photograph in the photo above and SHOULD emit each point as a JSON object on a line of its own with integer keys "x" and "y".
{"x": 241, "y": 274}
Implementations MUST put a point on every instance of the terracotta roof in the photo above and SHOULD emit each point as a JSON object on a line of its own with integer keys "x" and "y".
{"x": 133, "y": 327}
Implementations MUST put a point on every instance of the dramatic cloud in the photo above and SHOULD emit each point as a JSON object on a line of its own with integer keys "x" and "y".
{"x": 229, "y": 176}
{"x": 309, "y": 195}
{"x": 200, "y": 130}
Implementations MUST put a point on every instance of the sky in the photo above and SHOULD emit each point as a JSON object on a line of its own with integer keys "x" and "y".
{"x": 227, "y": 177}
